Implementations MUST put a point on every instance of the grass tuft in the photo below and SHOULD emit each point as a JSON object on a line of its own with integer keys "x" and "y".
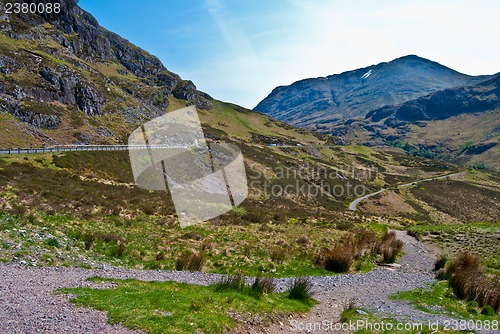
{"x": 466, "y": 278}
{"x": 362, "y": 244}
{"x": 230, "y": 283}
{"x": 338, "y": 259}
{"x": 390, "y": 248}
{"x": 300, "y": 289}
{"x": 263, "y": 285}
{"x": 191, "y": 262}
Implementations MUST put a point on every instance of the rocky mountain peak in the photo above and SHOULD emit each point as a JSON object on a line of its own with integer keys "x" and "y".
{"x": 317, "y": 102}
{"x": 66, "y": 68}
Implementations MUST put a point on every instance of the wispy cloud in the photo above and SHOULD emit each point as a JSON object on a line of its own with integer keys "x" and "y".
{"x": 299, "y": 39}
{"x": 232, "y": 33}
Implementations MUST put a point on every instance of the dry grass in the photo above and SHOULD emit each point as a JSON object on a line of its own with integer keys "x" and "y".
{"x": 361, "y": 243}
{"x": 338, "y": 259}
{"x": 468, "y": 281}
{"x": 191, "y": 262}
{"x": 390, "y": 247}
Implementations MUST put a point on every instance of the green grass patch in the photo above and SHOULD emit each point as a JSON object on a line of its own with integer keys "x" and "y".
{"x": 480, "y": 238}
{"x": 171, "y": 307}
{"x": 438, "y": 298}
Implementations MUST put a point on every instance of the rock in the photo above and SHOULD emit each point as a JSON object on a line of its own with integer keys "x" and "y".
{"x": 186, "y": 90}
{"x": 38, "y": 120}
{"x": 88, "y": 100}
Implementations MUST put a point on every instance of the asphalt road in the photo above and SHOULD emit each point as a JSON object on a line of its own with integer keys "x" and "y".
{"x": 353, "y": 205}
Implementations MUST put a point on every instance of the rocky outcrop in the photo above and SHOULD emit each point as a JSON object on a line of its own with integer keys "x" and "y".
{"x": 38, "y": 120}
{"x": 88, "y": 100}
{"x": 186, "y": 90}
{"x": 9, "y": 104}
{"x": 68, "y": 63}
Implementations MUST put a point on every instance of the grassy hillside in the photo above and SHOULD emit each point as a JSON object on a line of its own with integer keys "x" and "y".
{"x": 83, "y": 208}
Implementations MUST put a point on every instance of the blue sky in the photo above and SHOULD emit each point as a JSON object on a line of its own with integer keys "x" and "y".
{"x": 239, "y": 50}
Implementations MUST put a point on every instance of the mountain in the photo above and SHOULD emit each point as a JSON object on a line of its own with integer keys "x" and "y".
{"x": 460, "y": 124}
{"x": 318, "y": 103}
{"x": 443, "y": 104}
{"x": 65, "y": 79}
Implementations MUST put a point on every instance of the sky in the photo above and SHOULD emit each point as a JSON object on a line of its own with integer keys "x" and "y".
{"x": 240, "y": 50}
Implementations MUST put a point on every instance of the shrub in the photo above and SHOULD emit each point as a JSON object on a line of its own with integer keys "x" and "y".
{"x": 53, "y": 242}
{"x": 488, "y": 310}
{"x": 468, "y": 281}
{"x": 364, "y": 242}
{"x": 278, "y": 255}
{"x": 117, "y": 249}
{"x": 196, "y": 262}
{"x": 300, "y": 289}
{"x": 18, "y": 209}
{"x": 462, "y": 272}
{"x": 254, "y": 217}
{"x": 148, "y": 209}
{"x": 181, "y": 262}
{"x": 338, "y": 259}
{"x": 302, "y": 240}
{"x": 89, "y": 239}
{"x": 192, "y": 236}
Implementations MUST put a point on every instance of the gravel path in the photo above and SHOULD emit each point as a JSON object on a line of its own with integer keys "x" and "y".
{"x": 28, "y": 303}
{"x": 371, "y": 291}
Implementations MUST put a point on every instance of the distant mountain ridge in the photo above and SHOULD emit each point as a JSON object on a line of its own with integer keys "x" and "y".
{"x": 460, "y": 124}
{"x": 317, "y": 103}
{"x": 444, "y": 103}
